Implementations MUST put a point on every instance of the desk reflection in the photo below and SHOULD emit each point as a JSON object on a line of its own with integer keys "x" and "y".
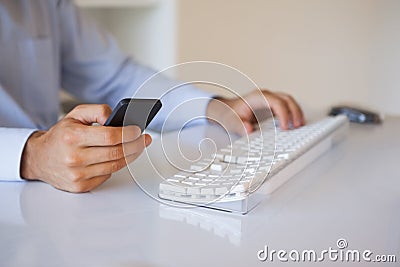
{"x": 221, "y": 224}
{"x": 93, "y": 229}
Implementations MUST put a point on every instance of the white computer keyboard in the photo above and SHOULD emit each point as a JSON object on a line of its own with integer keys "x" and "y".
{"x": 259, "y": 162}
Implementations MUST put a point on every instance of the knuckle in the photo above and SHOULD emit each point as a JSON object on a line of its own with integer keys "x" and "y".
{"x": 73, "y": 159}
{"x": 116, "y": 165}
{"x": 286, "y": 97}
{"x": 291, "y": 98}
{"x": 76, "y": 109}
{"x": 116, "y": 153}
{"x": 105, "y": 109}
{"x": 110, "y": 137}
{"x": 280, "y": 102}
{"x": 267, "y": 94}
{"x": 76, "y": 176}
{"x": 70, "y": 137}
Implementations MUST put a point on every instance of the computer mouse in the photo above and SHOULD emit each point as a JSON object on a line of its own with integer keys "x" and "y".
{"x": 356, "y": 115}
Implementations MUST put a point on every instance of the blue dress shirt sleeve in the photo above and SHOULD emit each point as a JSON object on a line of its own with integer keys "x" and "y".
{"x": 95, "y": 69}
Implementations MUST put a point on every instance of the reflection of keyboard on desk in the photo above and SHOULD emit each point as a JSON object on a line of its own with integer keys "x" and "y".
{"x": 239, "y": 176}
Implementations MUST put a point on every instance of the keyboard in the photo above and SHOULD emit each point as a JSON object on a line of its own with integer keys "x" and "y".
{"x": 237, "y": 177}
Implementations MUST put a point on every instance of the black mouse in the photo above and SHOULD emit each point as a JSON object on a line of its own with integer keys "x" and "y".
{"x": 356, "y": 115}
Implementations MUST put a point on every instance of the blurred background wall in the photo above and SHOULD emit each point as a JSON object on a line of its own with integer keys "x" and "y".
{"x": 323, "y": 52}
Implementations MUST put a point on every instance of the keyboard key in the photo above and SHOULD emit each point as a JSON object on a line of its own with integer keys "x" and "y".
{"x": 193, "y": 191}
{"x": 240, "y": 188}
{"x": 173, "y": 180}
{"x": 196, "y": 168}
{"x": 236, "y": 171}
{"x": 187, "y": 182}
{"x": 173, "y": 188}
{"x": 283, "y": 156}
{"x": 219, "y": 156}
{"x": 253, "y": 159}
{"x": 207, "y": 191}
{"x": 241, "y": 160}
{"x": 218, "y": 166}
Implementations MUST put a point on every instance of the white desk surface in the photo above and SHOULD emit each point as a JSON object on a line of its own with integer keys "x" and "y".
{"x": 351, "y": 192}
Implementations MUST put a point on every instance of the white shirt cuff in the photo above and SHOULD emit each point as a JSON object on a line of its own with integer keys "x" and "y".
{"x": 12, "y": 143}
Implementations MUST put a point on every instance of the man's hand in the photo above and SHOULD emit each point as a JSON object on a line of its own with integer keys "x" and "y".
{"x": 77, "y": 157}
{"x": 237, "y": 114}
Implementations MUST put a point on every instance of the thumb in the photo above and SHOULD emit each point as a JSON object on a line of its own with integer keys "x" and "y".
{"x": 90, "y": 113}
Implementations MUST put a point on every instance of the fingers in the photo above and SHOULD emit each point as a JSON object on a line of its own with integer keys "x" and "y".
{"x": 89, "y": 114}
{"x": 281, "y": 110}
{"x": 296, "y": 113}
{"x": 83, "y": 178}
{"x": 109, "y": 136}
{"x": 244, "y": 109}
{"x": 84, "y": 136}
{"x": 104, "y": 168}
{"x": 92, "y": 155}
{"x": 286, "y": 109}
{"x": 107, "y": 160}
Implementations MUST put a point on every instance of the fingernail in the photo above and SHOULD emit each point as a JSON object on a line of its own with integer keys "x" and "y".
{"x": 147, "y": 139}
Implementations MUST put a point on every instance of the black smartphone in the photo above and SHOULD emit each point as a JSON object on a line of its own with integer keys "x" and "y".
{"x": 134, "y": 111}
